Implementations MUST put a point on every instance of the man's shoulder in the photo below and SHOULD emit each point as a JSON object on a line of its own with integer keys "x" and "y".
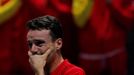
{"x": 71, "y": 69}
{"x": 66, "y": 68}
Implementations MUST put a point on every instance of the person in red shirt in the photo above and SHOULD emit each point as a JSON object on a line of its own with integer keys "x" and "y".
{"x": 44, "y": 39}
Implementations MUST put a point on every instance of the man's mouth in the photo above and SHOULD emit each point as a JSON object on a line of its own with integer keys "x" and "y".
{"x": 37, "y": 53}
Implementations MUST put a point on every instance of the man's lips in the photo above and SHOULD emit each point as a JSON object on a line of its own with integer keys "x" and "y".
{"x": 37, "y": 53}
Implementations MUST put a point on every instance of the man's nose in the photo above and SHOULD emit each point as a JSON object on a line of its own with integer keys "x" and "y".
{"x": 34, "y": 49}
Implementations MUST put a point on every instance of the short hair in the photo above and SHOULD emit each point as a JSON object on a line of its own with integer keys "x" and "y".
{"x": 46, "y": 22}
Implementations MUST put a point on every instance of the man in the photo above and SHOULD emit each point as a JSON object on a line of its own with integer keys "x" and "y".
{"x": 45, "y": 41}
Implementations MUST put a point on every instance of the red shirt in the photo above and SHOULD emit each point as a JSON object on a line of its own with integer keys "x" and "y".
{"x": 66, "y": 68}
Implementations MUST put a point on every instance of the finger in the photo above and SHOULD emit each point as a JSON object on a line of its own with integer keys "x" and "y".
{"x": 48, "y": 51}
{"x": 29, "y": 53}
{"x": 30, "y": 61}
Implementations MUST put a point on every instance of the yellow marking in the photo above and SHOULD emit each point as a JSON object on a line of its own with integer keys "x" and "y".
{"x": 8, "y": 9}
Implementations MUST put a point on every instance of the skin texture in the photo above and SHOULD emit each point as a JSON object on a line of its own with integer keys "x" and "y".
{"x": 39, "y": 41}
{"x": 42, "y": 51}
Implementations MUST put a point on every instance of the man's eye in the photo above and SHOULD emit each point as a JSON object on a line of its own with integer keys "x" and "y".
{"x": 30, "y": 44}
{"x": 39, "y": 43}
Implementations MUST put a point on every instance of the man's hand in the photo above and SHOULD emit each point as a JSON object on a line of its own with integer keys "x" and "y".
{"x": 38, "y": 62}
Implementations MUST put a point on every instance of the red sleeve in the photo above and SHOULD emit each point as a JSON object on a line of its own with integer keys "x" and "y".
{"x": 75, "y": 71}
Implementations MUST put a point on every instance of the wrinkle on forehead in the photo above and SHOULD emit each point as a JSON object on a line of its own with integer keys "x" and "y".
{"x": 38, "y": 34}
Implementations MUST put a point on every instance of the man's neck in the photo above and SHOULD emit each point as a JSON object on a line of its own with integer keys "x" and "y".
{"x": 58, "y": 59}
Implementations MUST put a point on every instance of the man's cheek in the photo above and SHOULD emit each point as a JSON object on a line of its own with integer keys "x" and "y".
{"x": 51, "y": 55}
{"x": 43, "y": 51}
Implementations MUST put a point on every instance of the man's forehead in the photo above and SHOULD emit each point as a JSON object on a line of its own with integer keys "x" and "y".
{"x": 31, "y": 38}
{"x": 38, "y": 33}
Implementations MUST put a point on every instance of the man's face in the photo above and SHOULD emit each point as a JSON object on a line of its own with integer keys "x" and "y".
{"x": 39, "y": 41}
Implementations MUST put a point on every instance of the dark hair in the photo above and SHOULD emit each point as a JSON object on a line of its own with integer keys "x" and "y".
{"x": 46, "y": 22}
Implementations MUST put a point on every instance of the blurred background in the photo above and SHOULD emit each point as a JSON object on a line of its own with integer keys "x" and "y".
{"x": 98, "y": 34}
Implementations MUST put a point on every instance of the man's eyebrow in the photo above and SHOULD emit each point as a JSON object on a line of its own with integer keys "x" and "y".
{"x": 39, "y": 40}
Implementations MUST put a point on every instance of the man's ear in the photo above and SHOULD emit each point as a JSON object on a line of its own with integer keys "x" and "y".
{"x": 58, "y": 43}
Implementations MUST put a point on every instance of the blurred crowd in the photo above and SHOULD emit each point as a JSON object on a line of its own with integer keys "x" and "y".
{"x": 97, "y": 34}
